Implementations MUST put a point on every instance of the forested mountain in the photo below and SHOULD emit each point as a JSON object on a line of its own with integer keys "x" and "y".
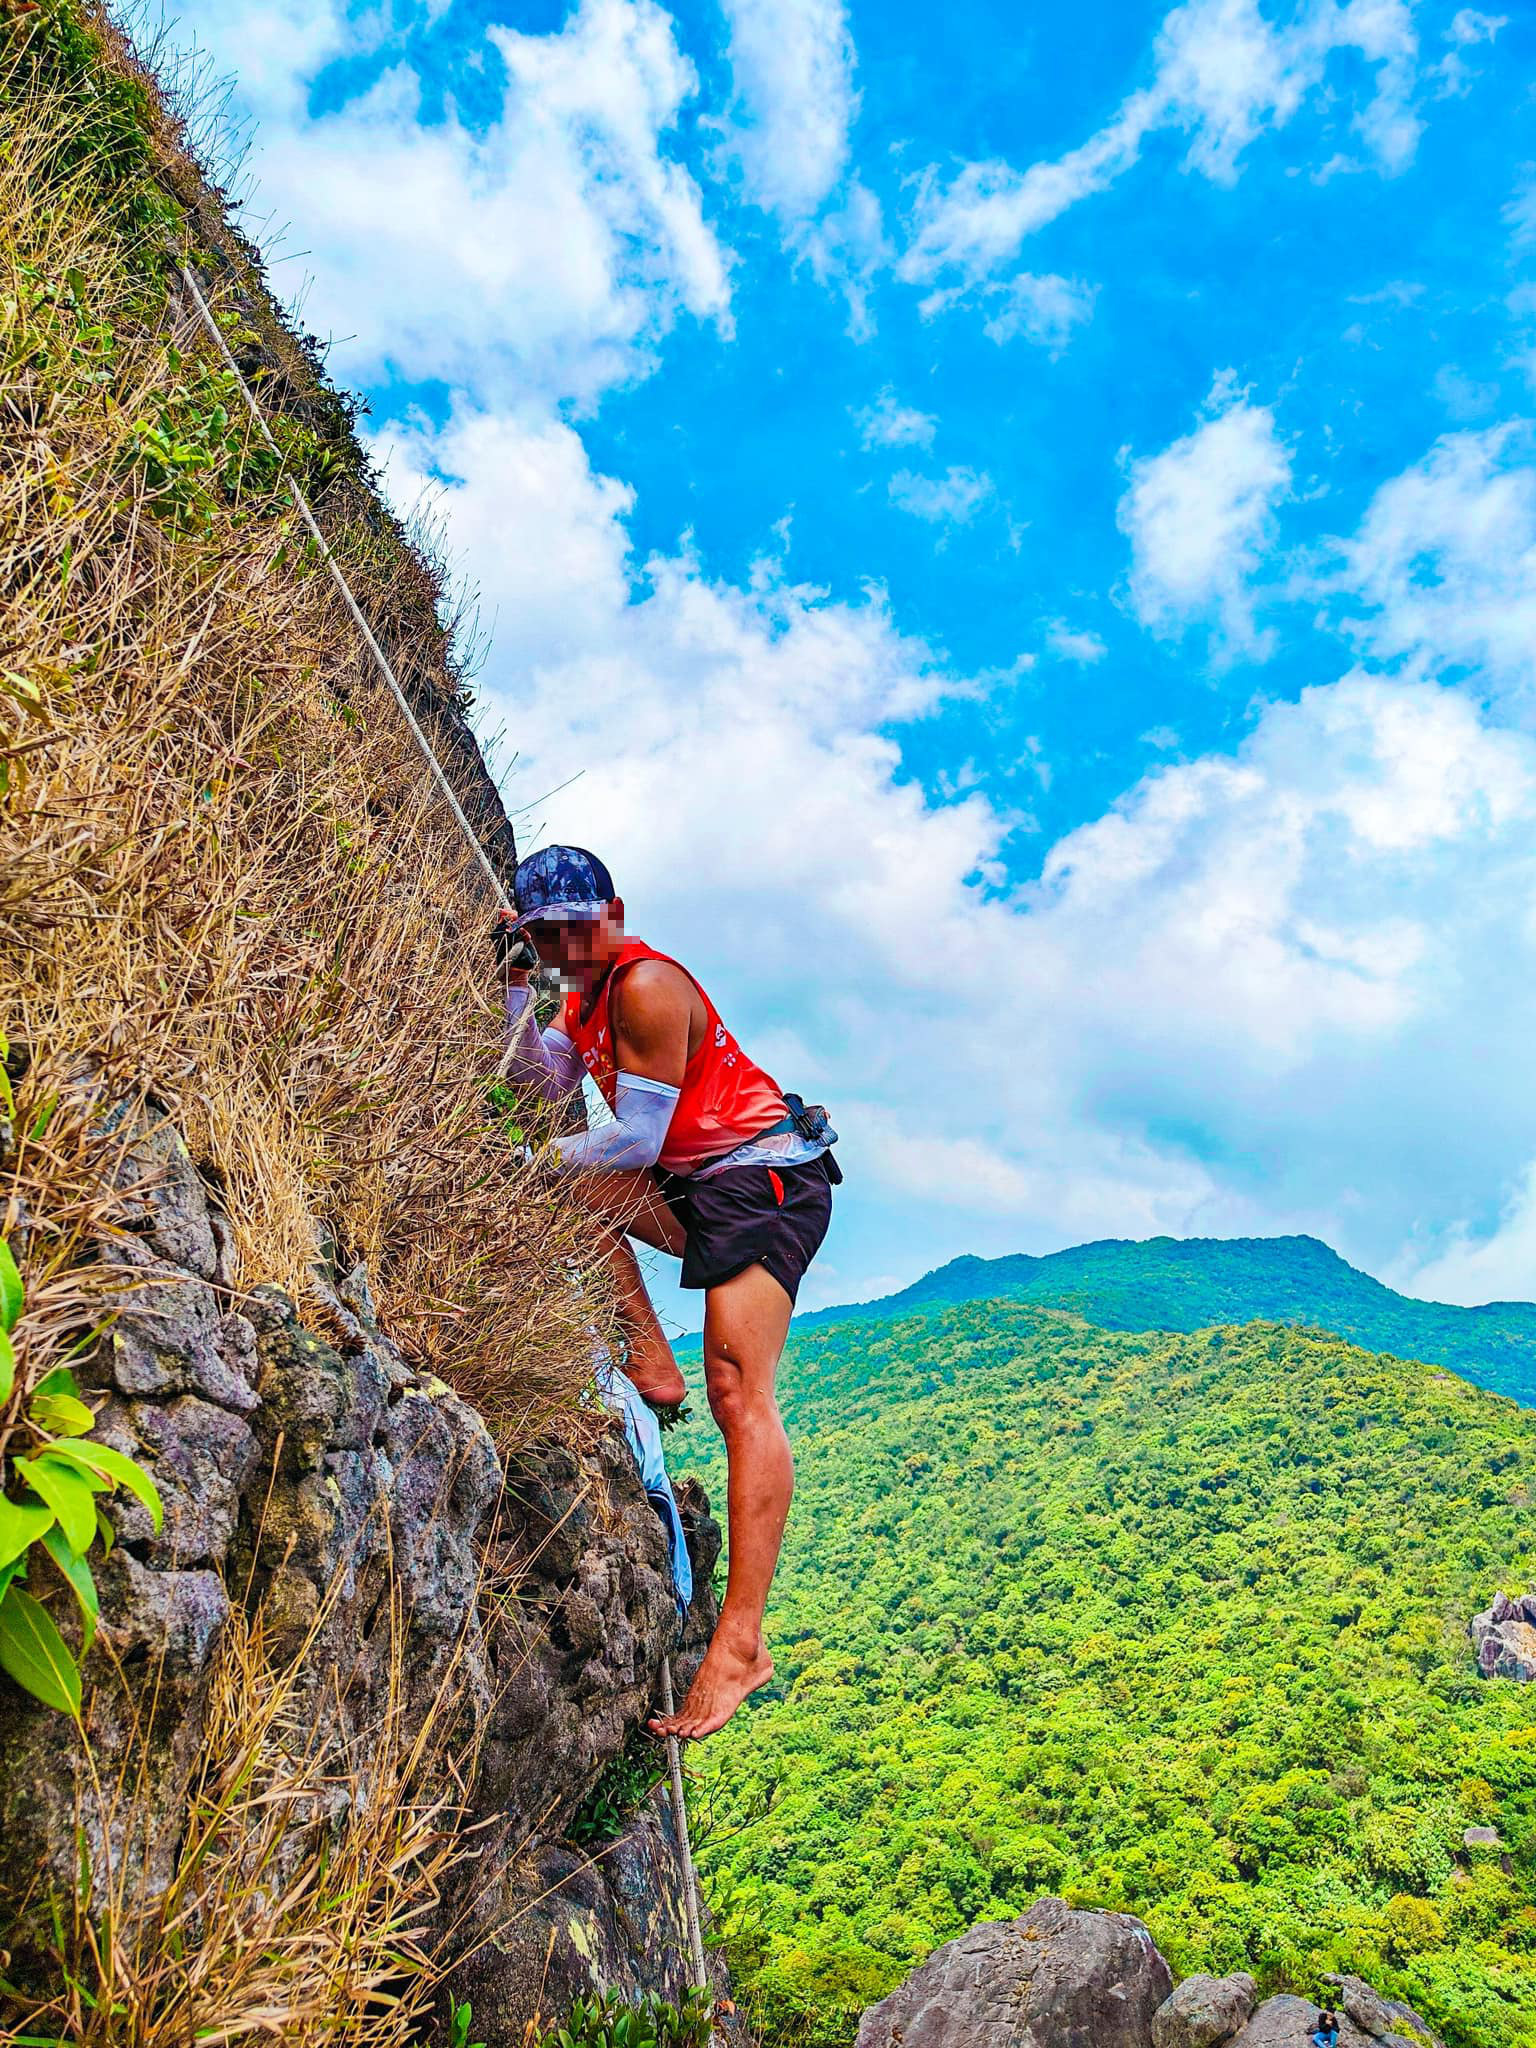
{"x": 1171, "y": 1283}
{"x": 1172, "y": 1623}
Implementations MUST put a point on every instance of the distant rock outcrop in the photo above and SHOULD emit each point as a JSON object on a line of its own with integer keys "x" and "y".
{"x": 1060, "y": 1977}
{"x": 1057, "y": 1978}
{"x": 1505, "y": 1638}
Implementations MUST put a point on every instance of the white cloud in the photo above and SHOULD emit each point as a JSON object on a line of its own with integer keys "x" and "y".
{"x": 546, "y": 253}
{"x": 1043, "y": 309}
{"x": 1200, "y": 516}
{"x": 1468, "y": 28}
{"x": 1444, "y": 562}
{"x": 847, "y": 249}
{"x": 1521, "y": 214}
{"x": 1471, "y": 1267}
{"x": 890, "y": 424}
{"x": 792, "y": 62}
{"x": 952, "y": 499}
{"x": 1070, "y": 644}
{"x": 1224, "y": 75}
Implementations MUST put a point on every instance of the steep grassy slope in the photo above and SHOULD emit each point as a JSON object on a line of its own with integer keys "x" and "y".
{"x": 1170, "y": 1283}
{"x": 1169, "y": 1623}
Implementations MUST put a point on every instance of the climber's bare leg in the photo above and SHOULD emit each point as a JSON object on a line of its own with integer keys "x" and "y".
{"x": 746, "y": 1320}
{"x": 629, "y": 1205}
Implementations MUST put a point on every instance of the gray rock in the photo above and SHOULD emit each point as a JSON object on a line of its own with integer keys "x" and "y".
{"x": 164, "y": 1200}
{"x": 1481, "y": 1838}
{"x": 202, "y": 1458}
{"x": 1204, "y": 2011}
{"x": 614, "y": 1924}
{"x": 1505, "y": 1640}
{"x": 360, "y": 1507}
{"x": 1383, "y": 2019}
{"x": 1056, "y": 1978}
{"x": 1287, "y": 2022}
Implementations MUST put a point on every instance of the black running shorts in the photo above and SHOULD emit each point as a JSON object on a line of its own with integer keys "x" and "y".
{"x": 773, "y": 1216}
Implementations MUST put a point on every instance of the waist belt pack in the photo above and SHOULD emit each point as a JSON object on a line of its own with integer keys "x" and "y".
{"x": 813, "y": 1124}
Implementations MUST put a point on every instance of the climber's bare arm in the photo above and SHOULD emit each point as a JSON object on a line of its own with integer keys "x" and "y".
{"x": 654, "y": 1031}
{"x": 658, "y": 1020}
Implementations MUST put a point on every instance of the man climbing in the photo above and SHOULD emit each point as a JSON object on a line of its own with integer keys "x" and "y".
{"x": 705, "y": 1159}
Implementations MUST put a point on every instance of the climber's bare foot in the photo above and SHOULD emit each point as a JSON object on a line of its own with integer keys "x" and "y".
{"x": 654, "y": 1372}
{"x": 729, "y": 1672}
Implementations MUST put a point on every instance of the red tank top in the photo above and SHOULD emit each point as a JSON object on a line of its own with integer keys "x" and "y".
{"x": 726, "y": 1098}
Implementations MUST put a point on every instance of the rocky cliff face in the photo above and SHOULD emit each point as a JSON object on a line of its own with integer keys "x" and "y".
{"x": 1064, "y": 1978}
{"x": 1504, "y": 1637}
{"x": 314, "y": 1481}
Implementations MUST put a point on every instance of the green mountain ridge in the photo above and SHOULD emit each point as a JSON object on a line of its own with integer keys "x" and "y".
{"x": 1172, "y": 1623}
{"x": 1168, "y": 1283}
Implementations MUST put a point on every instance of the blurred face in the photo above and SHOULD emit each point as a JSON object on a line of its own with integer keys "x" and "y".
{"x": 579, "y": 949}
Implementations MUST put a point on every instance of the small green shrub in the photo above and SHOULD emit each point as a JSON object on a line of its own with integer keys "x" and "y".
{"x": 608, "y": 2021}
{"x": 607, "y": 1808}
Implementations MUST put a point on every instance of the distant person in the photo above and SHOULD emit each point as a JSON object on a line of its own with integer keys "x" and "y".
{"x": 705, "y": 1159}
{"x": 1326, "y": 2033}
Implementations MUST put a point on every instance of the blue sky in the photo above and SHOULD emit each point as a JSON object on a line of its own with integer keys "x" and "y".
{"x": 1021, "y": 524}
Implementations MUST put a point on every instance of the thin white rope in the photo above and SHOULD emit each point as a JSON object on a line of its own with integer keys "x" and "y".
{"x": 685, "y": 1850}
{"x": 674, "y": 1756}
{"x": 339, "y": 579}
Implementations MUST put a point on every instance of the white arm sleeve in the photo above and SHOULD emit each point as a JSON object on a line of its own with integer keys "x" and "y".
{"x": 545, "y": 1061}
{"x": 642, "y": 1110}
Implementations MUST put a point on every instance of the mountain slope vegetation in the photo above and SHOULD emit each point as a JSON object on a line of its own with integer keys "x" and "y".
{"x": 1169, "y": 1623}
{"x": 1171, "y": 1283}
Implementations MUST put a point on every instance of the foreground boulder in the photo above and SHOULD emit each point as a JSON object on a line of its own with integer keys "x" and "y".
{"x": 1204, "y": 2011}
{"x": 1382, "y": 2019}
{"x": 1504, "y": 1636}
{"x": 1057, "y": 1978}
{"x": 1063, "y": 1978}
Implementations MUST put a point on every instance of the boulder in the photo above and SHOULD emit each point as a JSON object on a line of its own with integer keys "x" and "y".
{"x": 1204, "y": 2011}
{"x": 1383, "y": 2019}
{"x": 1287, "y": 2022}
{"x": 1504, "y": 1636}
{"x": 1055, "y": 1978}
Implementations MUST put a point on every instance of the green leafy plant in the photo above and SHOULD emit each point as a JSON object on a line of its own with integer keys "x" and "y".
{"x": 64, "y": 1473}
{"x": 608, "y": 2021}
{"x": 460, "y": 2018}
{"x": 624, "y": 1783}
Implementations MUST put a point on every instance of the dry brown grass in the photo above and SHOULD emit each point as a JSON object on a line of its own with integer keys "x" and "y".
{"x": 225, "y": 883}
{"x": 300, "y": 1908}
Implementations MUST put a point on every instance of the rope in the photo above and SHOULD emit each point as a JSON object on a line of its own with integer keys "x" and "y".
{"x": 338, "y": 578}
{"x": 680, "y": 1817}
{"x": 674, "y": 1757}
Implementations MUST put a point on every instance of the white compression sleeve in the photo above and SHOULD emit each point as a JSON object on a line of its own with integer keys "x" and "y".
{"x": 544, "y": 1061}
{"x": 642, "y": 1110}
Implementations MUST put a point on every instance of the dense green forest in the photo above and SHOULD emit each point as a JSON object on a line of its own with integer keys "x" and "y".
{"x": 1172, "y": 1623}
{"x": 1171, "y": 1283}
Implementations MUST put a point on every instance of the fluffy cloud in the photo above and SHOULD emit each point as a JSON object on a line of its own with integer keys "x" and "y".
{"x": 1200, "y": 516}
{"x": 547, "y": 250}
{"x": 952, "y": 499}
{"x": 1068, "y": 643}
{"x": 1223, "y": 75}
{"x": 890, "y": 424}
{"x": 792, "y": 64}
{"x": 1444, "y": 563}
{"x": 1471, "y": 1268}
{"x": 1042, "y": 309}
